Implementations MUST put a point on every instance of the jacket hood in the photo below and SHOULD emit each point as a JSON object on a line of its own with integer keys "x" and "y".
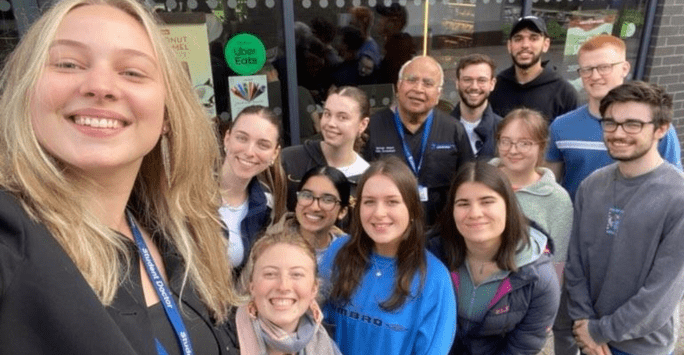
{"x": 544, "y": 187}
{"x": 533, "y": 251}
{"x": 549, "y": 74}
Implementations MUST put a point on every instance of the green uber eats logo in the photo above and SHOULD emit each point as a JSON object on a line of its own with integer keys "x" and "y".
{"x": 245, "y": 54}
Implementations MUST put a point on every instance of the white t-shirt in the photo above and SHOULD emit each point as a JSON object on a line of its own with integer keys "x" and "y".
{"x": 472, "y": 136}
{"x": 357, "y": 168}
{"x": 232, "y": 217}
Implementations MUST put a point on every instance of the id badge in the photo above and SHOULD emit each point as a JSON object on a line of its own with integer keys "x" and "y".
{"x": 423, "y": 192}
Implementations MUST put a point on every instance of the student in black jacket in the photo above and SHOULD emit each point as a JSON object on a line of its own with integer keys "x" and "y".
{"x": 105, "y": 234}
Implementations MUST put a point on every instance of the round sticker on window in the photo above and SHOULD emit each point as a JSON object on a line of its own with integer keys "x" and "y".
{"x": 245, "y": 54}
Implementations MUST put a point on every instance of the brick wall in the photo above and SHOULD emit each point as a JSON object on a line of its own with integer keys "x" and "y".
{"x": 665, "y": 61}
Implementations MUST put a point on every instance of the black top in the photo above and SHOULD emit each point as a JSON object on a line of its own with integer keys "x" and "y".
{"x": 448, "y": 148}
{"x": 47, "y": 307}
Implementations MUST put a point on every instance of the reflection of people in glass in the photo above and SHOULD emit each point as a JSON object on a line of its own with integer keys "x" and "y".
{"x": 399, "y": 46}
{"x": 362, "y": 18}
{"x": 347, "y": 73}
{"x": 325, "y": 31}
{"x": 108, "y": 220}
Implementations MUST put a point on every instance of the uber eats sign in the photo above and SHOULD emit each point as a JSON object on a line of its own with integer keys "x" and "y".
{"x": 245, "y": 54}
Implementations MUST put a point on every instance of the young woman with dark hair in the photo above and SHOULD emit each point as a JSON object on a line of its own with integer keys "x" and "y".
{"x": 385, "y": 285}
{"x": 507, "y": 289}
{"x": 344, "y": 120}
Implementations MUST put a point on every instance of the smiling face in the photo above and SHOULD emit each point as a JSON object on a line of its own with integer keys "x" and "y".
{"x": 341, "y": 121}
{"x": 513, "y": 158}
{"x": 474, "y": 83}
{"x": 283, "y": 284}
{"x": 251, "y": 145}
{"x": 99, "y": 104}
{"x": 418, "y": 89}
{"x": 597, "y": 85}
{"x": 313, "y": 220}
{"x": 632, "y": 147}
{"x": 384, "y": 215}
{"x": 480, "y": 214}
{"x": 526, "y": 48}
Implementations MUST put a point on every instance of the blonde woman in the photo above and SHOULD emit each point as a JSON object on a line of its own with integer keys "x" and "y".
{"x": 107, "y": 230}
{"x": 281, "y": 283}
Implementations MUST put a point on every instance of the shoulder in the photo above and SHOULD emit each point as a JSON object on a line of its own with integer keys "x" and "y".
{"x": 381, "y": 115}
{"x": 328, "y": 258}
{"x": 295, "y": 151}
{"x": 569, "y": 120}
{"x": 13, "y": 220}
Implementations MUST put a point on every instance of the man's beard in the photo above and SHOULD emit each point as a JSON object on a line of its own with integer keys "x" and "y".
{"x": 529, "y": 65}
{"x": 478, "y": 104}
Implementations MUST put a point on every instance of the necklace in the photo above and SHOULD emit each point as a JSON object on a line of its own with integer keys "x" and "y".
{"x": 237, "y": 208}
{"x": 381, "y": 266}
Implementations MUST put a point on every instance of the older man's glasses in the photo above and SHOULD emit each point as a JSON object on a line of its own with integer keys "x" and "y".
{"x": 414, "y": 80}
{"x": 629, "y": 126}
{"x": 523, "y": 145}
{"x": 325, "y": 202}
{"x": 602, "y": 69}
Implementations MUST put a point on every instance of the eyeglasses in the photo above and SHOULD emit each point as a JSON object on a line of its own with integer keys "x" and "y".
{"x": 631, "y": 126}
{"x": 480, "y": 81}
{"x": 325, "y": 202}
{"x": 414, "y": 80}
{"x": 523, "y": 145}
{"x": 602, "y": 69}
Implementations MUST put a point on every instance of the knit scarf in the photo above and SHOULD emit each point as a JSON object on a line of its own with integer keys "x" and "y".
{"x": 257, "y": 334}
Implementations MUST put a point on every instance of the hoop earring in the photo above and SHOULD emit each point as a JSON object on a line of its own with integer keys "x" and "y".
{"x": 166, "y": 158}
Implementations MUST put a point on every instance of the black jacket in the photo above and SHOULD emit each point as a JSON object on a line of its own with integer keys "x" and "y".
{"x": 486, "y": 130}
{"x": 548, "y": 93}
{"x": 299, "y": 159}
{"x": 448, "y": 148}
{"x": 47, "y": 307}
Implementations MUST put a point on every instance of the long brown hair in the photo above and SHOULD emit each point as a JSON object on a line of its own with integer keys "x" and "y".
{"x": 353, "y": 258}
{"x": 515, "y": 232}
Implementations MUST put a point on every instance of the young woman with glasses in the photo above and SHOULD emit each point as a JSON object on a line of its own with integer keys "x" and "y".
{"x": 322, "y": 201}
{"x": 521, "y": 140}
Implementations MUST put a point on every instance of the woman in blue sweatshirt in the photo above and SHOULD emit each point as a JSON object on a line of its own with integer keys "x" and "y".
{"x": 503, "y": 274}
{"x": 389, "y": 295}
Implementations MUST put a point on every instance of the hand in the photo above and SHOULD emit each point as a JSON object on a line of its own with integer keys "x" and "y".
{"x": 584, "y": 340}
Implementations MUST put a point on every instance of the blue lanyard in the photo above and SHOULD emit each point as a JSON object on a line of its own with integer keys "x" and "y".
{"x": 423, "y": 144}
{"x": 163, "y": 292}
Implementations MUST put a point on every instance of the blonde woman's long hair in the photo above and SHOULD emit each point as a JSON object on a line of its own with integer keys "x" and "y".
{"x": 180, "y": 208}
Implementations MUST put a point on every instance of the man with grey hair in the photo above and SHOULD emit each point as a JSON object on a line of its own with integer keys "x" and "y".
{"x": 432, "y": 143}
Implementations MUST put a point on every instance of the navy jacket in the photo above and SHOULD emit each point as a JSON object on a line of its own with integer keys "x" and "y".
{"x": 258, "y": 215}
{"x": 448, "y": 148}
{"x": 486, "y": 130}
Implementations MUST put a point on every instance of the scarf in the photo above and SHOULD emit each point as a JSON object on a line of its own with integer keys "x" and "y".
{"x": 257, "y": 334}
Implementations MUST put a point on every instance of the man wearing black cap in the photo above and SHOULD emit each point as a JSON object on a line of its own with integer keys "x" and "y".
{"x": 529, "y": 82}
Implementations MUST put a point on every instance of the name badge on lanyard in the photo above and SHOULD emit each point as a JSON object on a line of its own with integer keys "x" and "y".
{"x": 165, "y": 296}
{"x": 422, "y": 190}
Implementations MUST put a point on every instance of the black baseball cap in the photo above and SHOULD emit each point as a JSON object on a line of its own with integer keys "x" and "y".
{"x": 532, "y": 23}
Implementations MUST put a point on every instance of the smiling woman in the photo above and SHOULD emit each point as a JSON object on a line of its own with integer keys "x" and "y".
{"x": 98, "y": 223}
{"x": 506, "y": 285}
{"x": 384, "y": 285}
{"x": 252, "y": 180}
{"x": 282, "y": 315}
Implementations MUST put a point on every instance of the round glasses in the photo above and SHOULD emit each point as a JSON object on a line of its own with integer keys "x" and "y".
{"x": 629, "y": 126}
{"x": 326, "y": 202}
{"x": 523, "y": 145}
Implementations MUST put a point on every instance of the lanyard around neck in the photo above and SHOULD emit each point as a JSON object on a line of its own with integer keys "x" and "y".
{"x": 423, "y": 144}
{"x": 170, "y": 307}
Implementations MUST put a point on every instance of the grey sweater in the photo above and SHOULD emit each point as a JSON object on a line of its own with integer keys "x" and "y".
{"x": 625, "y": 269}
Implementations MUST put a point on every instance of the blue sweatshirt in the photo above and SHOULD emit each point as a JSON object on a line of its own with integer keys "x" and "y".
{"x": 424, "y": 324}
